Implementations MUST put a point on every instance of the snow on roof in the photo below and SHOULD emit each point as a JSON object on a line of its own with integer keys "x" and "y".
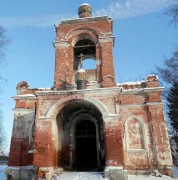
{"x": 85, "y": 4}
{"x": 28, "y": 96}
{"x": 131, "y": 83}
{"x": 81, "y": 70}
{"x": 43, "y": 88}
{"x": 153, "y": 75}
{"x": 25, "y": 95}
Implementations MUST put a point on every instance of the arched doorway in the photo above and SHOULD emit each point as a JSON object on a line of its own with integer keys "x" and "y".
{"x": 80, "y": 136}
{"x": 85, "y": 143}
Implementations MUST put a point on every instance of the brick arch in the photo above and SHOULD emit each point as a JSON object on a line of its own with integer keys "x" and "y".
{"x": 76, "y": 34}
{"x": 57, "y": 106}
{"x": 22, "y": 84}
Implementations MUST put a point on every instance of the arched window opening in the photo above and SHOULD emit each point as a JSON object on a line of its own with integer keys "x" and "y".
{"x": 84, "y": 50}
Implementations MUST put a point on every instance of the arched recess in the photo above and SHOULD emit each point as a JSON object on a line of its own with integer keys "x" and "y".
{"x": 58, "y": 105}
{"x": 84, "y": 49}
{"x": 68, "y": 120}
{"x": 135, "y": 134}
{"x": 22, "y": 85}
{"x": 73, "y": 35}
{"x": 85, "y": 52}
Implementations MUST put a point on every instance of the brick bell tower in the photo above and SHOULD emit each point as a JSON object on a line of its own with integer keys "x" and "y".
{"x": 86, "y": 121}
{"x": 81, "y": 39}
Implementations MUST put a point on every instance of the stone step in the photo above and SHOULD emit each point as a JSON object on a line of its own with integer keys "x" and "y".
{"x": 79, "y": 176}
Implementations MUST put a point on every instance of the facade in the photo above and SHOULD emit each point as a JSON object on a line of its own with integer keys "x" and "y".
{"x": 86, "y": 121}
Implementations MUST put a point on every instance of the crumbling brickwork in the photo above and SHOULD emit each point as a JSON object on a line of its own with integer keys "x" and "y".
{"x": 49, "y": 124}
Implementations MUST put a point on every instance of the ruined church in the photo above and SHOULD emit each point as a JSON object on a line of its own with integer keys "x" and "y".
{"x": 87, "y": 121}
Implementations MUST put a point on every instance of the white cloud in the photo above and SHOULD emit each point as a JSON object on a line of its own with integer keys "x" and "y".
{"x": 118, "y": 10}
{"x": 130, "y": 8}
{"x": 33, "y": 21}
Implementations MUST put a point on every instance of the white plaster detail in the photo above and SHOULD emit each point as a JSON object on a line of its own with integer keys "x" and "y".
{"x": 155, "y": 103}
{"x": 89, "y": 19}
{"x": 24, "y": 110}
{"x": 111, "y": 117}
{"x": 143, "y": 90}
{"x": 61, "y": 43}
{"x": 154, "y": 89}
{"x": 98, "y": 62}
{"x": 75, "y": 92}
{"x": 46, "y": 168}
{"x": 132, "y": 105}
{"x": 93, "y": 33}
{"x": 98, "y": 104}
{"x": 106, "y": 39}
{"x": 23, "y": 122}
{"x": 25, "y": 96}
{"x": 42, "y": 118}
{"x": 113, "y": 167}
{"x": 94, "y": 101}
{"x": 127, "y": 135}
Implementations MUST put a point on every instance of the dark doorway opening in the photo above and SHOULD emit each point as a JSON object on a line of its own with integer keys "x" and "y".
{"x": 86, "y": 150}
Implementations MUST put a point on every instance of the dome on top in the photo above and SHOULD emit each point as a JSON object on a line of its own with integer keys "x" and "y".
{"x": 85, "y": 4}
{"x": 85, "y": 11}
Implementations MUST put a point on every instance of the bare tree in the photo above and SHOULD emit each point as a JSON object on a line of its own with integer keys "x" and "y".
{"x": 173, "y": 13}
{"x": 169, "y": 72}
{"x": 4, "y": 41}
{"x": 3, "y": 142}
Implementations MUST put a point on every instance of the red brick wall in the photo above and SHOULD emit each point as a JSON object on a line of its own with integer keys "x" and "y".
{"x": 19, "y": 155}
{"x": 113, "y": 143}
{"x": 44, "y": 152}
{"x": 70, "y": 32}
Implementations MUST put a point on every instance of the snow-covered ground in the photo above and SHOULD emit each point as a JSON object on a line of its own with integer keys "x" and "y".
{"x": 96, "y": 176}
{"x": 175, "y": 172}
{"x": 144, "y": 177}
{"x": 141, "y": 177}
{"x": 2, "y": 172}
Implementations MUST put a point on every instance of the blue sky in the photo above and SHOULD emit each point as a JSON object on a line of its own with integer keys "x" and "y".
{"x": 143, "y": 37}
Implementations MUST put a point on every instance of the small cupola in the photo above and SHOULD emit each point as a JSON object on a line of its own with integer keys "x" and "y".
{"x": 85, "y": 11}
{"x": 80, "y": 79}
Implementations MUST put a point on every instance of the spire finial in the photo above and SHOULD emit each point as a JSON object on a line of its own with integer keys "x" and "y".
{"x": 81, "y": 60}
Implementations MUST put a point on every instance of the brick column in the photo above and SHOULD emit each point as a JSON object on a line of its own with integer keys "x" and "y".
{"x": 44, "y": 150}
{"x": 63, "y": 65}
{"x": 108, "y": 76}
{"x": 98, "y": 63}
{"x": 113, "y": 141}
{"x": 114, "y": 149}
{"x": 161, "y": 148}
